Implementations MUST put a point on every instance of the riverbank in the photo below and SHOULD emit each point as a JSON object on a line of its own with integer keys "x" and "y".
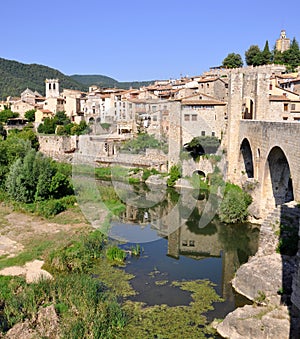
{"x": 30, "y": 237}
{"x": 267, "y": 280}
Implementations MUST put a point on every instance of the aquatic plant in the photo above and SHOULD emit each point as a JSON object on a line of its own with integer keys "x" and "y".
{"x": 116, "y": 254}
{"x": 136, "y": 250}
{"x": 162, "y": 321}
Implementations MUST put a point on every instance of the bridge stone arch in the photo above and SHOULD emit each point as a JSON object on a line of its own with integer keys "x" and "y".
{"x": 263, "y": 136}
{"x": 277, "y": 179}
{"x": 246, "y": 158}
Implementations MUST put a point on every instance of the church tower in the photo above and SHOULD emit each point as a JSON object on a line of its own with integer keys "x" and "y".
{"x": 283, "y": 43}
{"x": 52, "y": 88}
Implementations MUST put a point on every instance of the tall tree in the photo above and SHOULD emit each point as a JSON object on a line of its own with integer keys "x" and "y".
{"x": 232, "y": 60}
{"x": 277, "y": 56}
{"x": 292, "y": 55}
{"x": 253, "y": 56}
{"x": 266, "y": 54}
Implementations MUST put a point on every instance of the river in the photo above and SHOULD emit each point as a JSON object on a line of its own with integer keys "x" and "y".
{"x": 179, "y": 242}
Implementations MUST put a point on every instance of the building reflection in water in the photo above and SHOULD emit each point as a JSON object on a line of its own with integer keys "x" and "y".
{"x": 176, "y": 217}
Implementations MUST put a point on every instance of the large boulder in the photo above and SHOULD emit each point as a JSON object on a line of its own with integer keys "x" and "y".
{"x": 156, "y": 179}
{"x": 46, "y": 325}
{"x": 262, "y": 277}
{"x": 262, "y": 322}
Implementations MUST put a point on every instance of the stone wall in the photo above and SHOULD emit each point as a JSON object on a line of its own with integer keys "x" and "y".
{"x": 60, "y": 148}
{"x": 151, "y": 159}
{"x": 296, "y": 281}
{"x": 190, "y": 166}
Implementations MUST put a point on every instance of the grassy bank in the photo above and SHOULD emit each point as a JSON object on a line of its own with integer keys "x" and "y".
{"x": 87, "y": 292}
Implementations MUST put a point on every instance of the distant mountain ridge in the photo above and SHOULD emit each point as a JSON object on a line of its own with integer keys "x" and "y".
{"x": 15, "y": 77}
{"x": 105, "y": 81}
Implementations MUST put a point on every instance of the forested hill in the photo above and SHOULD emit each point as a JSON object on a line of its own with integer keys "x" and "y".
{"x": 15, "y": 77}
{"x": 105, "y": 81}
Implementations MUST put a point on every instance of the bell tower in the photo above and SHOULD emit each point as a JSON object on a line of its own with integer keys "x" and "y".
{"x": 283, "y": 43}
{"x": 52, "y": 88}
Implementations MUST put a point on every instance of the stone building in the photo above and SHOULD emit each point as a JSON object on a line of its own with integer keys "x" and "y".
{"x": 29, "y": 100}
{"x": 31, "y": 97}
{"x": 22, "y": 107}
{"x": 41, "y": 115}
{"x": 71, "y": 100}
{"x": 283, "y": 43}
{"x": 54, "y": 104}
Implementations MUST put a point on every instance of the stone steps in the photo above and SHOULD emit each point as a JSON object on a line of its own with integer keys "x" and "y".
{"x": 282, "y": 214}
{"x": 288, "y": 212}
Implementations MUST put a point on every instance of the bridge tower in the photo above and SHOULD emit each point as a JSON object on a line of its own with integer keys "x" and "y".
{"x": 235, "y": 104}
{"x": 175, "y": 134}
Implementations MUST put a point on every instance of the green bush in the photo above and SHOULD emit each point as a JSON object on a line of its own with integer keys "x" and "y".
{"x": 30, "y": 115}
{"x": 77, "y": 256}
{"x": 234, "y": 206}
{"x": 174, "y": 174}
{"x": 148, "y": 172}
{"x": 142, "y": 142}
{"x": 49, "y": 208}
{"x": 105, "y": 125}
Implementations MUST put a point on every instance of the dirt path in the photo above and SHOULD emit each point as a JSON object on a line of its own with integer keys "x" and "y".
{"x": 17, "y": 230}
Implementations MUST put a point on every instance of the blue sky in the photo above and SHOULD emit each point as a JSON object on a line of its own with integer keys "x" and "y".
{"x": 140, "y": 40}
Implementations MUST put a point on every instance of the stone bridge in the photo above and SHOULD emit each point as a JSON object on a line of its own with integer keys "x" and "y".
{"x": 267, "y": 155}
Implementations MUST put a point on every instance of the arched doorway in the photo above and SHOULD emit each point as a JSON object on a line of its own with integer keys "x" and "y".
{"x": 199, "y": 173}
{"x": 280, "y": 176}
{"x": 247, "y": 164}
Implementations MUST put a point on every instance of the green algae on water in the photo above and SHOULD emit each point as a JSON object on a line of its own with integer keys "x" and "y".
{"x": 162, "y": 321}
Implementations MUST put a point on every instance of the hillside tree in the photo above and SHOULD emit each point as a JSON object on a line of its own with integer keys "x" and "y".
{"x": 292, "y": 55}
{"x": 232, "y": 60}
{"x": 253, "y": 56}
{"x": 30, "y": 115}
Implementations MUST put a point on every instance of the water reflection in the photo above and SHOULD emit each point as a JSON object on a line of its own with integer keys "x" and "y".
{"x": 184, "y": 247}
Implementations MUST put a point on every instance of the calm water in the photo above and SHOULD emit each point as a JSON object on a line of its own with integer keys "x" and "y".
{"x": 178, "y": 245}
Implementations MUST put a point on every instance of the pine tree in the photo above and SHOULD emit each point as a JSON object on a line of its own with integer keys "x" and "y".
{"x": 266, "y": 54}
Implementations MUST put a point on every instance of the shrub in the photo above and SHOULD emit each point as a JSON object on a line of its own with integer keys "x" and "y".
{"x": 49, "y": 208}
{"x": 78, "y": 255}
{"x": 148, "y": 172}
{"x": 234, "y": 207}
{"x": 175, "y": 174}
{"x": 142, "y": 142}
{"x": 105, "y": 125}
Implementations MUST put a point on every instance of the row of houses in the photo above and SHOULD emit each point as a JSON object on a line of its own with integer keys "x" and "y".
{"x": 202, "y": 101}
